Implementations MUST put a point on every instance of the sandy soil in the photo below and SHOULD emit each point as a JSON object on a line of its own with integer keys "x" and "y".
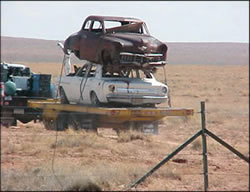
{"x": 29, "y": 160}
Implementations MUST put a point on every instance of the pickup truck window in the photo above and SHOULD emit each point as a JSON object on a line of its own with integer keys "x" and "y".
{"x": 18, "y": 71}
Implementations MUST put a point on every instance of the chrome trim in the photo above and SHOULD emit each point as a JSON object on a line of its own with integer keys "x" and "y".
{"x": 141, "y": 55}
{"x": 136, "y": 100}
{"x": 135, "y": 90}
{"x": 138, "y": 59}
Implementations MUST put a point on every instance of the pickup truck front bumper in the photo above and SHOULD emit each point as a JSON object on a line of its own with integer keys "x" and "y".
{"x": 137, "y": 100}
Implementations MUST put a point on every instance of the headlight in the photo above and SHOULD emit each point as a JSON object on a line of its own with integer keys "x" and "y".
{"x": 164, "y": 90}
{"x": 111, "y": 88}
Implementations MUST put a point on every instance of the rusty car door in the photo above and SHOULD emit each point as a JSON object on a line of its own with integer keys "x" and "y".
{"x": 90, "y": 41}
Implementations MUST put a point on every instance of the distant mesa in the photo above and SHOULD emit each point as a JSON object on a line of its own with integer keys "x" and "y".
{"x": 14, "y": 49}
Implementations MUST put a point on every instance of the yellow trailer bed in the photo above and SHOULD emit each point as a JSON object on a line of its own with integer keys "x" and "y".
{"x": 55, "y": 115}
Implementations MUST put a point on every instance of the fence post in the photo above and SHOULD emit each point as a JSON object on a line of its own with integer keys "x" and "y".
{"x": 204, "y": 145}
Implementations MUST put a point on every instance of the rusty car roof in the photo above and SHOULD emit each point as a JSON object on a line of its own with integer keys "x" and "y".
{"x": 112, "y": 18}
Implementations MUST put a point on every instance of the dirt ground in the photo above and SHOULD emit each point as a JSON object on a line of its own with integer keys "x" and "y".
{"x": 30, "y": 160}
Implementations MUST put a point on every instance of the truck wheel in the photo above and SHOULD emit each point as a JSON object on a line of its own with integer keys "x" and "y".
{"x": 63, "y": 96}
{"x": 94, "y": 99}
{"x": 62, "y": 121}
{"x": 49, "y": 124}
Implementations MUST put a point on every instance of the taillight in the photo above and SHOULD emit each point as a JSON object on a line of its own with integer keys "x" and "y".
{"x": 164, "y": 90}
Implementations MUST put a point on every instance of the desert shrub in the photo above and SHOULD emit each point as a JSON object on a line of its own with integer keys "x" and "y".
{"x": 76, "y": 139}
{"x": 167, "y": 173}
{"x": 196, "y": 145}
{"x": 128, "y": 136}
{"x": 83, "y": 185}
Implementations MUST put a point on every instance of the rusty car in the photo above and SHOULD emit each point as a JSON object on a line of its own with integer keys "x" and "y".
{"x": 116, "y": 42}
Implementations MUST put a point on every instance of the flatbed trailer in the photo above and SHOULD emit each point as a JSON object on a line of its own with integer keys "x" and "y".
{"x": 57, "y": 116}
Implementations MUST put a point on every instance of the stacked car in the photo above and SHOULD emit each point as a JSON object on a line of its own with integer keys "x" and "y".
{"x": 121, "y": 58}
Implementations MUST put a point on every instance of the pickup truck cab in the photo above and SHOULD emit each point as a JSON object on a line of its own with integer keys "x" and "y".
{"x": 92, "y": 85}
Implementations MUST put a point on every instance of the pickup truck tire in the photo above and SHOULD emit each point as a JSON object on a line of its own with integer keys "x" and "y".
{"x": 64, "y": 99}
{"x": 94, "y": 99}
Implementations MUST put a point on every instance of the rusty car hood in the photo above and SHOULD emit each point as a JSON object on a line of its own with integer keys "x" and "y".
{"x": 134, "y": 39}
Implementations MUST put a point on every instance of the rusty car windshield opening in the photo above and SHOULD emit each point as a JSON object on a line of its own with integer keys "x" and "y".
{"x": 112, "y": 26}
{"x": 97, "y": 27}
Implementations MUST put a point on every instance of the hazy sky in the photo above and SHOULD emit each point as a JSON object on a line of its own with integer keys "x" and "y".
{"x": 169, "y": 21}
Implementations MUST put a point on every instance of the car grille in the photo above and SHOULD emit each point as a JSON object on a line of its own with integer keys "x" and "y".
{"x": 139, "y": 58}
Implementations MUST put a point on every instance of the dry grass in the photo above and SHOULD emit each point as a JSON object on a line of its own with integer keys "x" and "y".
{"x": 196, "y": 145}
{"x": 128, "y": 136}
{"x": 113, "y": 163}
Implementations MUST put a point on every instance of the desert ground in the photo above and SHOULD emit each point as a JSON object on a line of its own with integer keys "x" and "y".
{"x": 30, "y": 160}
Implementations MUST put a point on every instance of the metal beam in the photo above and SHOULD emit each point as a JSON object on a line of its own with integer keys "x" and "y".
{"x": 229, "y": 147}
{"x": 167, "y": 158}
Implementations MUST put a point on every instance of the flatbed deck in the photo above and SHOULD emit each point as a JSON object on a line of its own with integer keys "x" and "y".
{"x": 57, "y": 116}
{"x": 132, "y": 113}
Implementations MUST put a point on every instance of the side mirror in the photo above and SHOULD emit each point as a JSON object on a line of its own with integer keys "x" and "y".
{"x": 62, "y": 47}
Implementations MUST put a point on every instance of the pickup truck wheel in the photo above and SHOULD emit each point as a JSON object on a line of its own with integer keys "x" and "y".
{"x": 94, "y": 99}
{"x": 63, "y": 96}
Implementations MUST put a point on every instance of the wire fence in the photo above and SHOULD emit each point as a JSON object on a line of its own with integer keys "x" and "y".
{"x": 184, "y": 158}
